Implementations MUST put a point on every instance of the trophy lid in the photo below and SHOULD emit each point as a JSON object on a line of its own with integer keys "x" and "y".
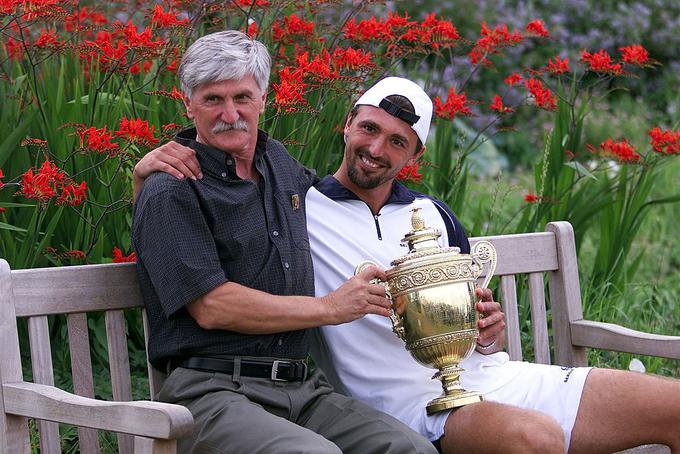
{"x": 421, "y": 240}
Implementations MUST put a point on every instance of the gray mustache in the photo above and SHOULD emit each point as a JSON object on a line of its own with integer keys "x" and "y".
{"x": 238, "y": 125}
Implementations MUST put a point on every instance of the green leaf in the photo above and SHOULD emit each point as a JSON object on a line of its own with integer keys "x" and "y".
{"x": 109, "y": 100}
{"x": 14, "y": 228}
{"x": 578, "y": 167}
{"x": 11, "y": 142}
{"x": 15, "y": 205}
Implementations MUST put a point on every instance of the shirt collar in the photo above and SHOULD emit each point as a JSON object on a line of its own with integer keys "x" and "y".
{"x": 214, "y": 160}
{"x": 334, "y": 190}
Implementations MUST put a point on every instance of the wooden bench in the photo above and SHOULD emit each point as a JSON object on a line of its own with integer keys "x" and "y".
{"x": 146, "y": 426}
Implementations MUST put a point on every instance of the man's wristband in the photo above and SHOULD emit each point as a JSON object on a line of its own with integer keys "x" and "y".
{"x": 486, "y": 348}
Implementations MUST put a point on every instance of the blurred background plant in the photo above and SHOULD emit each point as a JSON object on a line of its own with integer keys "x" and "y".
{"x": 545, "y": 111}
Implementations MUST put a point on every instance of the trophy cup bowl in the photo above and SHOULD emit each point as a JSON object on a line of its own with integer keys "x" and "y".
{"x": 432, "y": 290}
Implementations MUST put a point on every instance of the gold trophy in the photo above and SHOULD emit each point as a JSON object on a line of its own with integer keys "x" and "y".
{"x": 433, "y": 301}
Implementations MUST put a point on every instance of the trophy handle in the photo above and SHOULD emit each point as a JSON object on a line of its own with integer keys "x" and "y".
{"x": 397, "y": 320}
{"x": 484, "y": 252}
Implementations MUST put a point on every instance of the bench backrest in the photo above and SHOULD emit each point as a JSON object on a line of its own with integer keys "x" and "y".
{"x": 73, "y": 292}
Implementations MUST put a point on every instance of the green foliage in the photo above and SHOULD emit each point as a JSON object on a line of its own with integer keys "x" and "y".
{"x": 623, "y": 212}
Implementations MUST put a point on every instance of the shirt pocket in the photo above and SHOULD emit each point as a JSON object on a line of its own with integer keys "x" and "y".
{"x": 291, "y": 210}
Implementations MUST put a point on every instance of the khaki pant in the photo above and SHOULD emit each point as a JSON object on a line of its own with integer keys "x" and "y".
{"x": 235, "y": 415}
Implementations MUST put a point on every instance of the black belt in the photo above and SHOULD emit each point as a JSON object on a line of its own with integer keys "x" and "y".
{"x": 273, "y": 369}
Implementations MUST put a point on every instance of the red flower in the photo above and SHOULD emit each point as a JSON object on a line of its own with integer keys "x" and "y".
{"x": 543, "y": 97}
{"x": 537, "y": 28}
{"x": 291, "y": 28}
{"x": 140, "y": 40}
{"x": 252, "y": 2}
{"x": 41, "y": 185}
{"x": 98, "y": 140}
{"x": 288, "y": 92}
{"x": 622, "y": 150}
{"x": 492, "y": 41}
{"x": 558, "y": 66}
{"x": 252, "y": 29}
{"x": 352, "y": 59}
{"x": 601, "y": 62}
{"x": 370, "y": 29}
{"x": 498, "y": 106}
{"x": 47, "y": 39}
{"x": 172, "y": 67}
{"x": 634, "y": 54}
{"x": 433, "y": 31}
{"x": 170, "y": 127}
{"x": 664, "y": 142}
{"x": 15, "y": 49}
{"x": 72, "y": 195}
{"x": 176, "y": 94}
{"x": 162, "y": 19}
{"x": 513, "y": 79}
{"x": 9, "y": 6}
{"x": 136, "y": 131}
{"x": 118, "y": 256}
{"x": 531, "y": 198}
{"x": 1, "y": 177}
{"x": 74, "y": 254}
{"x": 82, "y": 17}
{"x": 455, "y": 104}
{"x": 319, "y": 67}
{"x": 44, "y": 184}
{"x": 410, "y": 173}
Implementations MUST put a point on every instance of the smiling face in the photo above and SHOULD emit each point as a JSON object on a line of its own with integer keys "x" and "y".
{"x": 226, "y": 114}
{"x": 377, "y": 146}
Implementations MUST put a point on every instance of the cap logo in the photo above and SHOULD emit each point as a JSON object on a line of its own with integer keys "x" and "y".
{"x": 398, "y": 112}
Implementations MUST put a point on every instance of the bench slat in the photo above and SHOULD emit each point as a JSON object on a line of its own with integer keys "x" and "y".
{"x": 509, "y": 303}
{"x": 537, "y": 252}
{"x": 119, "y": 365}
{"x": 81, "y": 370}
{"x": 14, "y": 428}
{"x": 86, "y": 288}
{"x": 41, "y": 362}
{"x": 156, "y": 377}
{"x": 145, "y": 445}
{"x": 539, "y": 319}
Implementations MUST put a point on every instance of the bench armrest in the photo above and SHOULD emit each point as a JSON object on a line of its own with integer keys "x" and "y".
{"x": 141, "y": 418}
{"x": 608, "y": 336}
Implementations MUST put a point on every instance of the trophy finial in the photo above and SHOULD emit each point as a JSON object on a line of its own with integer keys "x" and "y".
{"x": 421, "y": 237}
{"x": 417, "y": 221}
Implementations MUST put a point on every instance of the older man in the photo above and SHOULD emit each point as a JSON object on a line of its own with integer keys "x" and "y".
{"x": 226, "y": 275}
{"x": 529, "y": 407}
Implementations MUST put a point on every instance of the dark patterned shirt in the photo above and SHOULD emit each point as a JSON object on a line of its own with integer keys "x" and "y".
{"x": 192, "y": 236}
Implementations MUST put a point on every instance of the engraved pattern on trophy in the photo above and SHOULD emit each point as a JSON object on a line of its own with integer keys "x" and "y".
{"x": 432, "y": 290}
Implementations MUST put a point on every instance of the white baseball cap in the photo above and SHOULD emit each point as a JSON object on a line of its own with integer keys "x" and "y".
{"x": 420, "y": 121}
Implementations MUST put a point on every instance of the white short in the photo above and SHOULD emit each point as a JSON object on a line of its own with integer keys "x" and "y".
{"x": 553, "y": 390}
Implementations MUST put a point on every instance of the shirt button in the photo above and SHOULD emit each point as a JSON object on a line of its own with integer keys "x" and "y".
{"x": 275, "y": 233}
{"x": 224, "y": 174}
{"x": 286, "y": 265}
{"x": 229, "y": 162}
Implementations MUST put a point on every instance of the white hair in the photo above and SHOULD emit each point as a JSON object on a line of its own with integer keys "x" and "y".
{"x": 226, "y": 55}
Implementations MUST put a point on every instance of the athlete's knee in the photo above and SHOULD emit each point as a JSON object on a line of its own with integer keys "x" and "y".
{"x": 541, "y": 434}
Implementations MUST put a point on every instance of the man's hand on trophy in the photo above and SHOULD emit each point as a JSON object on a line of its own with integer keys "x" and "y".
{"x": 491, "y": 323}
{"x": 358, "y": 297}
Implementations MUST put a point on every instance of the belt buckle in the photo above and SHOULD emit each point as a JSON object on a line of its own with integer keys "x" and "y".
{"x": 275, "y": 370}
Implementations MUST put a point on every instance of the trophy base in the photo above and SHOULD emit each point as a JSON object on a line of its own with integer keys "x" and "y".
{"x": 447, "y": 402}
